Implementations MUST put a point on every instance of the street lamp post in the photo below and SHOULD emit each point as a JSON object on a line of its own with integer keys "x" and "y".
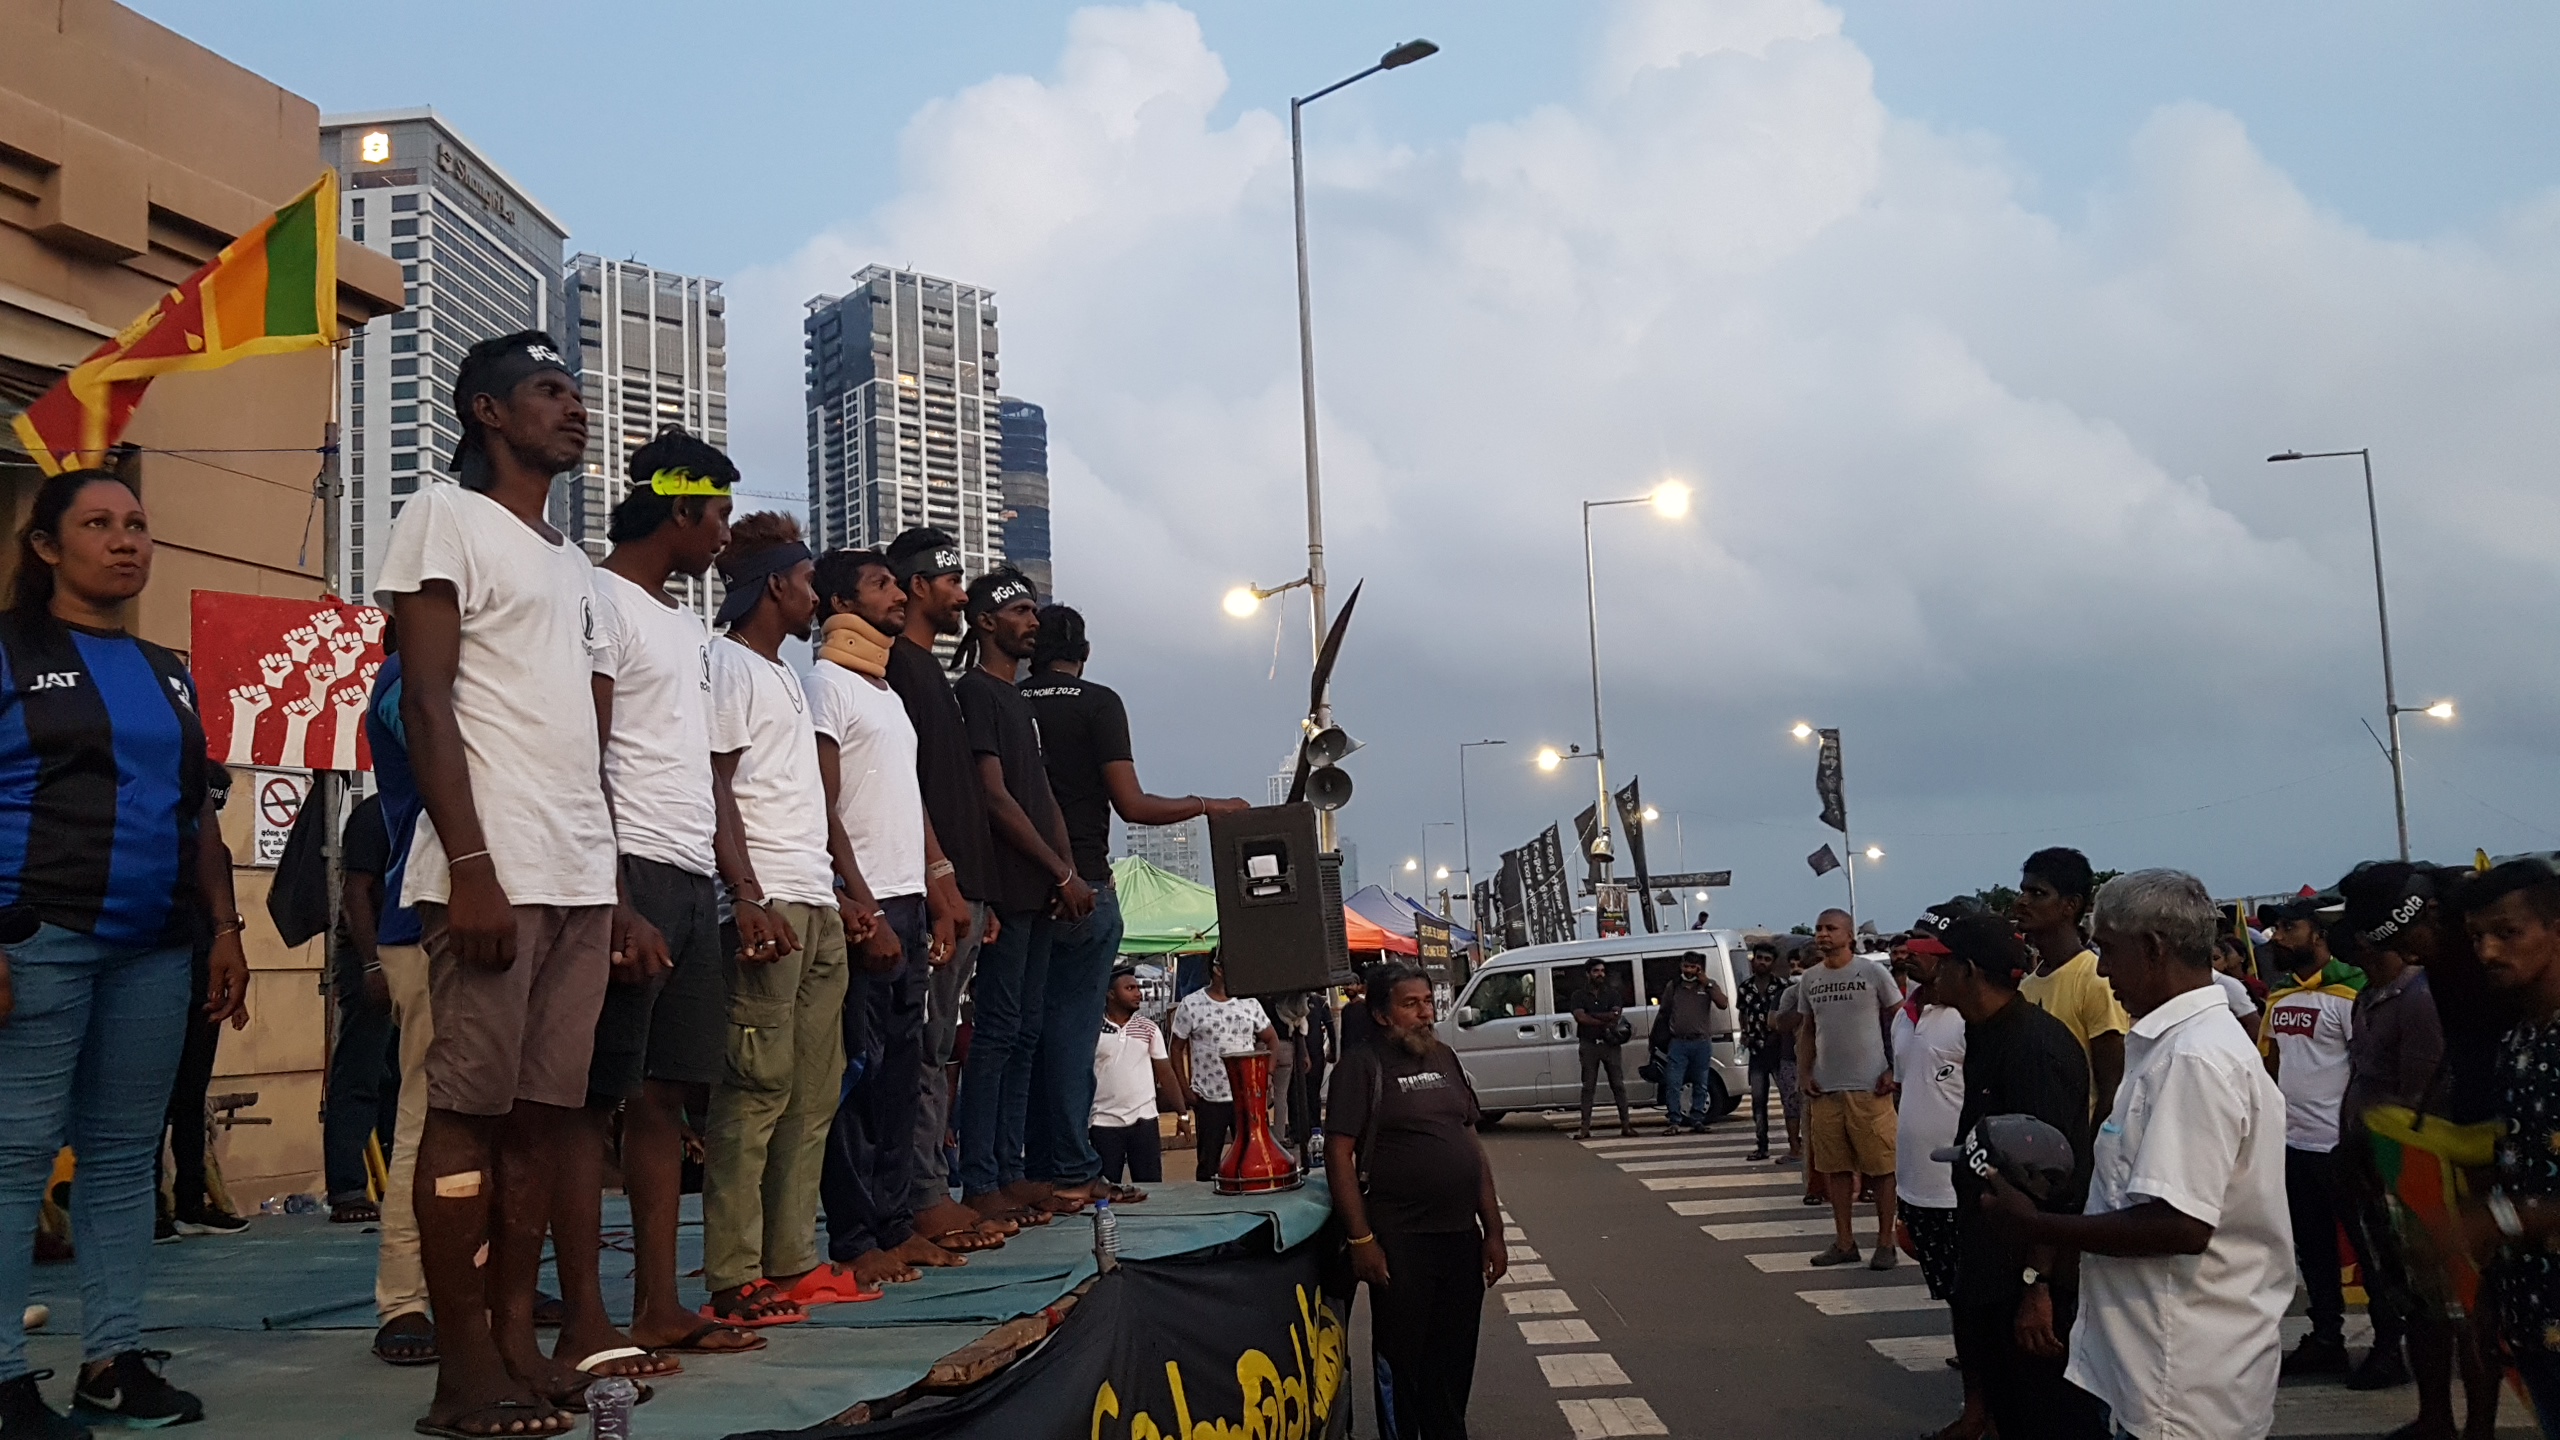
{"x": 1671, "y": 498}
{"x": 2391, "y": 706}
{"x": 1402, "y": 55}
{"x": 1466, "y": 835}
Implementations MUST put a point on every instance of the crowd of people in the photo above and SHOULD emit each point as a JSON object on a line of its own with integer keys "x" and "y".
{"x": 630, "y": 893}
{"x": 2218, "y": 1098}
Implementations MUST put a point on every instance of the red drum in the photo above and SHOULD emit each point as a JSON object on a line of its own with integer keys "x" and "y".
{"x": 1254, "y": 1162}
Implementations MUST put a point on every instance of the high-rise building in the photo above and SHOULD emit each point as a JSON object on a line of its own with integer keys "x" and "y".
{"x": 903, "y": 413}
{"x": 651, "y": 349}
{"x": 1181, "y": 849}
{"x": 479, "y": 258}
{"x": 1026, "y": 491}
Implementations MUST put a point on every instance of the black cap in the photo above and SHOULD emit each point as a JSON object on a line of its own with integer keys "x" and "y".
{"x": 2022, "y": 1149}
{"x": 1975, "y": 936}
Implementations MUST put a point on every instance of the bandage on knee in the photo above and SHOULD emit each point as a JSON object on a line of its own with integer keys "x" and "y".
{"x": 460, "y": 1186}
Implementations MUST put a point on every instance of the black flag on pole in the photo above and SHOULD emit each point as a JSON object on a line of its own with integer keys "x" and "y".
{"x": 1826, "y": 782}
{"x": 1630, "y": 806}
{"x": 1823, "y": 861}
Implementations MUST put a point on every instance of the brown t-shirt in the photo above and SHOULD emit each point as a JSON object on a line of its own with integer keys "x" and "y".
{"x": 1426, "y": 1170}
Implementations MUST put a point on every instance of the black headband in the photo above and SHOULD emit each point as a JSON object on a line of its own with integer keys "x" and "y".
{"x": 1005, "y": 592}
{"x": 936, "y": 560}
{"x": 498, "y": 375}
{"x": 746, "y": 582}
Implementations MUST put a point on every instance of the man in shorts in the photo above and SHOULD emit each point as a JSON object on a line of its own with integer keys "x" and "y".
{"x": 511, "y": 869}
{"x": 1847, "y": 1070}
{"x": 658, "y": 1042}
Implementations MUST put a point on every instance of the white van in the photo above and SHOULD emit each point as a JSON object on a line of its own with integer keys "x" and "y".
{"x": 1512, "y": 1028}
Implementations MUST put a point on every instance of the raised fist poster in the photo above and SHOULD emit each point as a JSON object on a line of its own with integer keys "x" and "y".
{"x": 284, "y": 682}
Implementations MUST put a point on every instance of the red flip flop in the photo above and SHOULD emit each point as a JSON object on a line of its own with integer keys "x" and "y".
{"x": 831, "y": 1285}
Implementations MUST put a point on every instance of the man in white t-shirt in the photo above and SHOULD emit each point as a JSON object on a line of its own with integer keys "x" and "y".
{"x": 2309, "y": 1020}
{"x": 1132, "y": 1074}
{"x": 665, "y": 1020}
{"x": 1208, "y": 1026}
{"x": 511, "y": 869}
{"x": 2186, "y": 1262}
{"x": 782, "y": 852}
{"x": 867, "y": 757}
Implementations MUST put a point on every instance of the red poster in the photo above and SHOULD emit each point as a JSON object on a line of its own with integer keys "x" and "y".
{"x": 284, "y": 682}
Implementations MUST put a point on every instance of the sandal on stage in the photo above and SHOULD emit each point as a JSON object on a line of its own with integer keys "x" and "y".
{"x": 497, "y": 1417}
{"x": 413, "y": 1344}
{"x": 626, "y": 1352}
{"x": 692, "y": 1343}
{"x": 967, "y": 1240}
{"x": 831, "y": 1284}
{"x": 760, "y": 1303}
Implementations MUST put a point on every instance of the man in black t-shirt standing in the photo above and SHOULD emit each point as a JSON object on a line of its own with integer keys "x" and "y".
{"x": 2014, "y": 1301}
{"x": 1415, "y": 1193}
{"x": 364, "y": 1076}
{"x": 1035, "y": 889}
{"x": 1084, "y": 738}
{"x": 957, "y": 865}
{"x": 1599, "y": 1021}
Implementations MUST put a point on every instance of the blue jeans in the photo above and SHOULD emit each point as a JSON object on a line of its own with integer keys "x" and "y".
{"x": 1690, "y": 1065}
{"x": 86, "y": 1059}
{"x": 1060, "y": 1138}
{"x": 1009, "y": 1001}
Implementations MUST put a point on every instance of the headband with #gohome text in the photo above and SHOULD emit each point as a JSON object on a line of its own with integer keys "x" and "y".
{"x": 498, "y": 376}
{"x": 746, "y": 582}
{"x": 939, "y": 560}
{"x": 1005, "y": 592}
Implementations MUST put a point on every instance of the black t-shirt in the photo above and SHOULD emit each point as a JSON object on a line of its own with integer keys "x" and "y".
{"x": 946, "y": 768}
{"x": 1425, "y": 1168}
{"x": 2021, "y": 1061}
{"x": 1083, "y": 727}
{"x": 1001, "y": 723}
{"x": 364, "y": 849}
{"x": 1602, "y": 1000}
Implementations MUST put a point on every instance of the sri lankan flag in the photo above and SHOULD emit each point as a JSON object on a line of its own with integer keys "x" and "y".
{"x": 272, "y": 291}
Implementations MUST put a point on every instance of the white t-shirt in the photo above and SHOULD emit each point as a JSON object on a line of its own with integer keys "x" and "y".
{"x": 521, "y": 697}
{"x": 1928, "y": 1062}
{"x": 1216, "y": 1029}
{"x": 877, "y": 795}
{"x": 1124, "y": 1072}
{"x": 658, "y": 759}
{"x": 758, "y": 707}
{"x": 2309, "y": 1028}
{"x": 2238, "y": 995}
{"x": 2185, "y": 1347}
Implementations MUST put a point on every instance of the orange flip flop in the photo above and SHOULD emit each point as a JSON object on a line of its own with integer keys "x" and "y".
{"x": 831, "y": 1284}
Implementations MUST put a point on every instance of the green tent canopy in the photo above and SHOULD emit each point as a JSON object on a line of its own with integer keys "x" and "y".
{"x": 1161, "y": 913}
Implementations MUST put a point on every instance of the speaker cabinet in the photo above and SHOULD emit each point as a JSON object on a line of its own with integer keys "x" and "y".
{"x": 1279, "y": 902}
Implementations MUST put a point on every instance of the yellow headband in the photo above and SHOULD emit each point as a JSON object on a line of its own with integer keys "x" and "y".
{"x": 685, "y": 482}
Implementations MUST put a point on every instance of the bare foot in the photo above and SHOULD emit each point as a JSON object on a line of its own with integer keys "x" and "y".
{"x": 879, "y": 1267}
{"x": 920, "y": 1251}
{"x": 948, "y": 1216}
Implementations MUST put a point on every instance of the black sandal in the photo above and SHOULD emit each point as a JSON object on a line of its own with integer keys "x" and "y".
{"x": 413, "y": 1344}
{"x": 502, "y": 1412}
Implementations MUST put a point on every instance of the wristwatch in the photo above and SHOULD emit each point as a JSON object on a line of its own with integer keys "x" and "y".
{"x": 2033, "y": 1276}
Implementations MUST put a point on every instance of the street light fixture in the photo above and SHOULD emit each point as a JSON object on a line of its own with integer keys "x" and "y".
{"x": 1548, "y": 759}
{"x": 1875, "y": 852}
{"x": 1671, "y": 500}
{"x": 1466, "y": 835}
{"x": 2441, "y": 710}
{"x": 1651, "y": 814}
{"x": 1802, "y": 731}
{"x": 1395, "y": 59}
{"x": 2392, "y": 708}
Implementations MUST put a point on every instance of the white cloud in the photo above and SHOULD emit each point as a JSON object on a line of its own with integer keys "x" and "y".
{"x": 1979, "y": 482}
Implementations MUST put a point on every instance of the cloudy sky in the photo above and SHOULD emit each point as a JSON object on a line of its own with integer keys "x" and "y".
{"x": 1970, "y": 321}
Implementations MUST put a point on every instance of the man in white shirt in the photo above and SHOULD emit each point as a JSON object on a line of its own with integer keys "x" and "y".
{"x": 2187, "y": 1263}
{"x": 1132, "y": 1076}
{"x": 776, "y": 838}
{"x": 1208, "y": 1026}
{"x": 665, "y": 1018}
{"x": 867, "y": 758}
{"x": 511, "y": 869}
{"x": 2309, "y": 1021}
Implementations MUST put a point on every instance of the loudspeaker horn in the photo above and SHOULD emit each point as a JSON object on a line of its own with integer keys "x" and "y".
{"x": 1328, "y": 788}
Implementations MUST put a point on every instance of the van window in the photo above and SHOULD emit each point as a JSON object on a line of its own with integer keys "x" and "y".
{"x": 1503, "y": 996}
{"x": 1569, "y": 981}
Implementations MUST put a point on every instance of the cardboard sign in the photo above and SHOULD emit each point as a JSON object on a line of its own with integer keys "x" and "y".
{"x": 277, "y": 797}
{"x": 284, "y": 682}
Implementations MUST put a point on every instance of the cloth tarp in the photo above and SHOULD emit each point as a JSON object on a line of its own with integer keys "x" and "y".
{"x": 1161, "y": 913}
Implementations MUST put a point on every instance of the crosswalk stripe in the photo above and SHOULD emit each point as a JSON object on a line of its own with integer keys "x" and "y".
{"x": 1735, "y": 1205}
{"x": 1870, "y": 1299}
{"x": 1556, "y": 1332}
{"x": 1528, "y": 1275}
{"x": 1600, "y": 1419}
{"x": 1581, "y": 1372}
{"x": 1538, "y": 1302}
{"x": 1724, "y": 1182}
{"x": 1920, "y": 1354}
{"x": 1800, "y": 1262}
{"x": 1513, "y": 1232}
{"x": 1519, "y": 1252}
{"x": 1642, "y": 1142}
{"x": 1768, "y": 1229}
{"x": 1701, "y": 1162}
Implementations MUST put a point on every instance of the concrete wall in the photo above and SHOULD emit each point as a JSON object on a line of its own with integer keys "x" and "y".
{"x": 128, "y": 157}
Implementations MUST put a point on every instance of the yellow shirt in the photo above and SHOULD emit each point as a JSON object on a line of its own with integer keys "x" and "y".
{"x": 2079, "y": 997}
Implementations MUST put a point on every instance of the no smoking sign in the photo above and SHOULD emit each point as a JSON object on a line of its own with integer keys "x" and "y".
{"x": 280, "y": 795}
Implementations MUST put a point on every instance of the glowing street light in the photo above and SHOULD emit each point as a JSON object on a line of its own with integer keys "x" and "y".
{"x": 1440, "y": 874}
{"x": 1548, "y": 759}
{"x": 1802, "y": 731}
{"x": 2441, "y": 710}
{"x": 1243, "y": 600}
{"x": 1671, "y": 499}
{"x": 1875, "y": 852}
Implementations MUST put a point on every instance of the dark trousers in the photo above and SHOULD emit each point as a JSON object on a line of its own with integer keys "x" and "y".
{"x": 1597, "y": 1056}
{"x": 2026, "y": 1394}
{"x": 363, "y": 1095}
{"x": 2380, "y": 1267}
{"x": 1422, "y": 1330}
{"x": 2311, "y": 1194}
{"x": 1214, "y": 1119}
{"x": 868, "y": 1180}
{"x": 187, "y": 1138}
{"x": 1137, "y": 1150}
{"x": 1764, "y": 1076}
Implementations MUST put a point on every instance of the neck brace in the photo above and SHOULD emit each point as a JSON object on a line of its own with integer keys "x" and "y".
{"x": 852, "y": 643}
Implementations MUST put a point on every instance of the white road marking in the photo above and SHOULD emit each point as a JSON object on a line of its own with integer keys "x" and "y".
{"x": 1736, "y": 1205}
{"x": 1725, "y": 1182}
{"x": 1699, "y": 1162}
{"x": 1870, "y": 1300}
{"x": 1581, "y": 1372}
{"x": 1528, "y": 1275}
{"x": 1538, "y": 1302}
{"x": 1599, "y": 1419}
{"x": 1653, "y": 1142}
{"x": 1514, "y": 1233}
{"x": 1518, "y": 1252}
{"x": 1556, "y": 1332}
{"x": 1920, "y": 1354}
{"x": 1768, "y": 1229}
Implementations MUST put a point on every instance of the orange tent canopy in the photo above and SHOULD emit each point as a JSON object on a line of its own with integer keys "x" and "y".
{"x": 1363, "y": 935}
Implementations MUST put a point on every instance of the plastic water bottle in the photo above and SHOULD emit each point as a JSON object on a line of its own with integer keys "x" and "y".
{"x": 301, "y": 1203}
{"x": 1106, "y": 1238}
{"x": 609, "y": 1403}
